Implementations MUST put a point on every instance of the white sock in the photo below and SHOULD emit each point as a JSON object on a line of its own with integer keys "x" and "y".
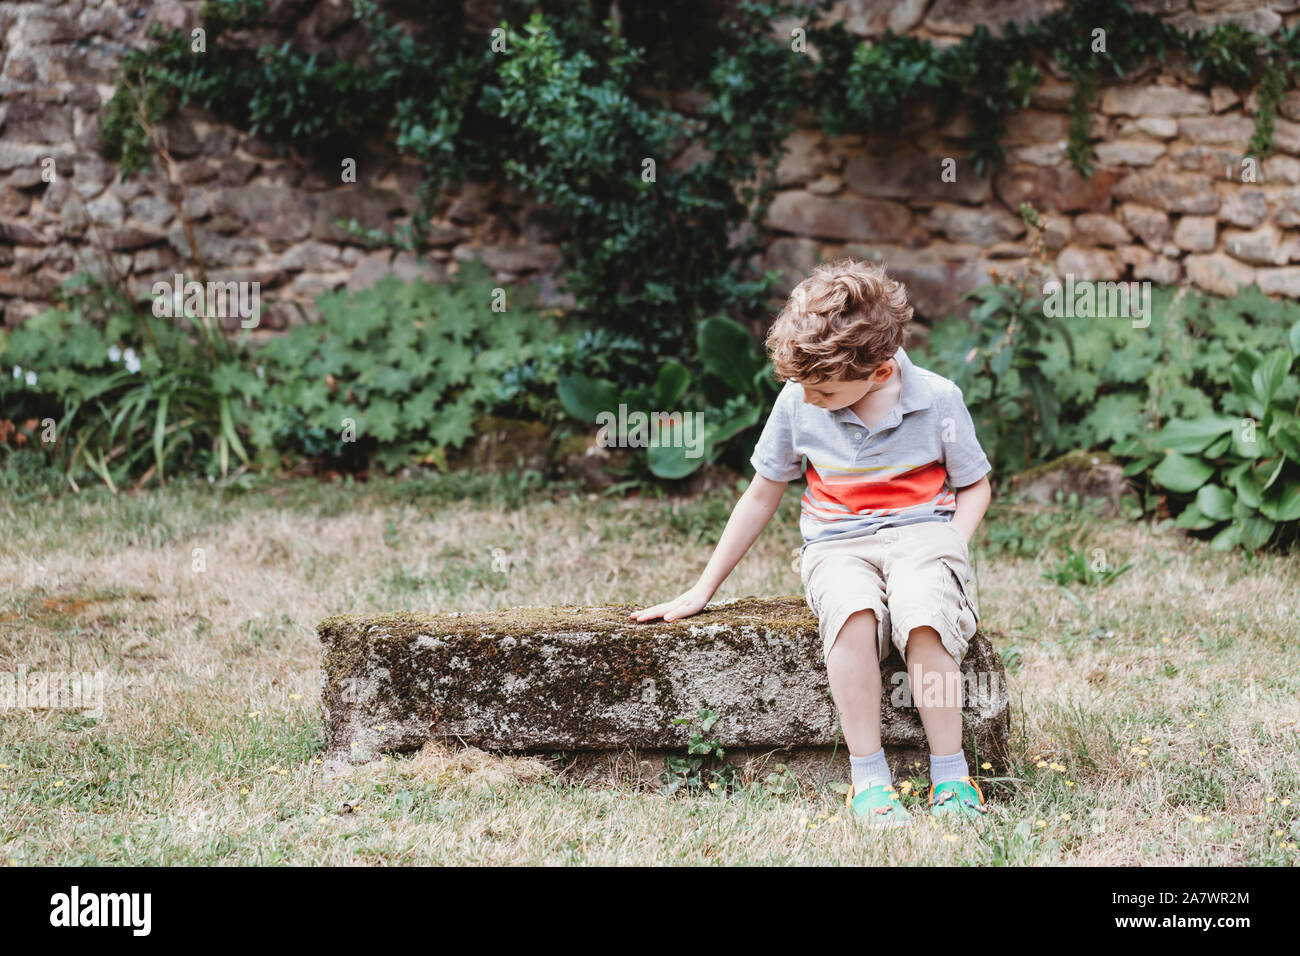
{"x": 870, "y": 771}
{"x": 948, "y": 768}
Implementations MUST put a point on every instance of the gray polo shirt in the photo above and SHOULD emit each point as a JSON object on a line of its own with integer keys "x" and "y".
{"x": 861, "y": 479}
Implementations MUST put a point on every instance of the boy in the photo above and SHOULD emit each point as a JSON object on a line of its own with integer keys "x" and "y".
{"x": 885, "y": 556}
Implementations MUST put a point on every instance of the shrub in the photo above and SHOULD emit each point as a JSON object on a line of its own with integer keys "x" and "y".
{"x": 402, "y": 368}
{"x": 128, "y": 397}
{"x": 734, "y": 390}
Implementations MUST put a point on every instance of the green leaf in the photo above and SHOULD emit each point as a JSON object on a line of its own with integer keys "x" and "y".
{"x": 1247, "y": 486}
{"x": 1283, "y": 506}
{"x": 1192, "y": 519}
{"x": 421, "y": 409}
{"x": 1256, "y": 531}
{"x": 670, "y": 462}
{"x": 584, "y": 398}
{"x": 394, "y": 381}
{"x": 227, "y": 378}
{"x": 1192, "y": 436}
{"x": 1228, "y": 538}
{"x": 722, "y": 431}
{"x": 1241, "y": 375}
{"x": 1294, "y": 338}
{"x": 728, "y": 353}
{"x": 455, "y": 424}
{"x": 1270, "y": 374}
{"x": 1258, "y": 447}
{"x": 671, "y": 385}
{"x": 1217, "y": 448}
{"x": 1288, "y": 441}
{"x": 228, "y": 435}
{"x": 159, "y": 433}
{"x": 677, "y": 450}
{"x": 1215, "y": 502}
{"x": 1266, "y": 472}
{"x": 457, "y": 363}
{"x": 382, "y": 419}
{"x": 1180, "y": 473}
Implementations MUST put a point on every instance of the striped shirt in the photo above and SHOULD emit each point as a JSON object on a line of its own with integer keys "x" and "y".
{"x": 862, "y": 479}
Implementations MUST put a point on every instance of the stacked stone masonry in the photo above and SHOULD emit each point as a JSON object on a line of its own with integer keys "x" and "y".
{"x": 1169, "y": 199}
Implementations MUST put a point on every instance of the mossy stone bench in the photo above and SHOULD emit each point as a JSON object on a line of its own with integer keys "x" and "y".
{"x": 589, "y": 681}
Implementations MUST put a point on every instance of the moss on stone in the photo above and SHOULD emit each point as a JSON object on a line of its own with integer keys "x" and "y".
{"x": 590, "y": 678}
{"x": 1071, "y": 462}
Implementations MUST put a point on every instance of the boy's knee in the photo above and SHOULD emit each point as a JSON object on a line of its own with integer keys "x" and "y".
{"x": 864, "y": 620}
{"x": 858, "y": 632}
{"x": 922, "y": 636}
{"x": 941, "y": 688}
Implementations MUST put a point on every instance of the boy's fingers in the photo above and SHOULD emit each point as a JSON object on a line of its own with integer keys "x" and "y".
{"x": 680, "y": 609}
{"x": 650, "y": 612}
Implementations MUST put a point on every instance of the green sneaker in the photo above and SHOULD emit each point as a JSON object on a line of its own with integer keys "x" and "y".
{"x": 958, "y": 798}
{"x": 879, "y": 804}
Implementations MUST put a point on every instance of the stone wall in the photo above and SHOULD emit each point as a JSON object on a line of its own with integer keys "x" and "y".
{"x": 1165, "y": 202}
{"x": 1168, "y": 199}
{"x": 257, "y": 215}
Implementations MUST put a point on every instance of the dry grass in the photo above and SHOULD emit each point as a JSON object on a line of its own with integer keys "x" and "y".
{"x": 1155, "y": 718}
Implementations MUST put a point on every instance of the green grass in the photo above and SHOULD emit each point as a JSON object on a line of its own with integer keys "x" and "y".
{"x": 1154, "y": 712}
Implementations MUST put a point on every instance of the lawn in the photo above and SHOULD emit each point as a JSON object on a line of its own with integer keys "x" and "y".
{"x": 1154, "y": 714}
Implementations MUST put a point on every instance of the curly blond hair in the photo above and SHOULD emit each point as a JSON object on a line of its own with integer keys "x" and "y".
{"x": 840, "y": 323}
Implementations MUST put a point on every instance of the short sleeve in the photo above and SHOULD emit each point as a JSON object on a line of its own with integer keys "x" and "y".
{"x": 775, "y": 456}
{"x": 963, "y": 456}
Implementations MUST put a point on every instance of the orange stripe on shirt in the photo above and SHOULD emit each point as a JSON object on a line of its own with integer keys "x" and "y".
{"x": 907, "y": 490}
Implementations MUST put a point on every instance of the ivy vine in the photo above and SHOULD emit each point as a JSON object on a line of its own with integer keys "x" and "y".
{"x": 575, "y": 105}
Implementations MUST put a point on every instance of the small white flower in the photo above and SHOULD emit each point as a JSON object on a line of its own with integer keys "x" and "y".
{"x": 261, "y": 372}
{"x": 131, "y": 361}
{"x": 211, "y": 479}
{"x": 31, "y": 378}
{"x": 114, "y": 353}
{"x": 18, "y": 371}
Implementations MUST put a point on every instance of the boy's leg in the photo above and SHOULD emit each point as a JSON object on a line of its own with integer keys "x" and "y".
{"x": 935, "y": 680}
{"x": 933, "y": 622}
{"x": 853, "y": 667}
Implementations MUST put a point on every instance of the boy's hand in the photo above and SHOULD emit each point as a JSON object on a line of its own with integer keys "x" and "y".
{"x": 684, "y": 605}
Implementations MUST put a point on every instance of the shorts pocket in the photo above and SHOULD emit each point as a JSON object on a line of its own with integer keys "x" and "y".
{"x": 961, "y": 610}
{"x": 806, "y": 568}
{"x": 963, "y": 546}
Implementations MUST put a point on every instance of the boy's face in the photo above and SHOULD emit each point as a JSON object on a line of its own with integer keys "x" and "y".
{"x": 834, "y": 394}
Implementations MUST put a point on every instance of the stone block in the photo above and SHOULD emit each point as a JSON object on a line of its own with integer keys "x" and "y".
{"x": 591, "y": 679}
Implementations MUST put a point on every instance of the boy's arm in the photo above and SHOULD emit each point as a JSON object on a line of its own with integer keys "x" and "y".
{"x": 748, "y": 519}
{"x": 972, "y": 502}
{"x": 966, "y": 464}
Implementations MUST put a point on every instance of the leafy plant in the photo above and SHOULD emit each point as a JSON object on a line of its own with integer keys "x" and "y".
{"x": 781, "y": 782}
{"x": 1242, "y": 467}
{"x": 130, "y": 397}
{"x": 735, "y": 388}
{"x": 1077, "y": 568}
{"x": 648, "y": 255}
{"x": 1039, "y": 388}
{"x": 405, "y": 369}
{"x": 1005, "y": 347}
{"x": 690, "y": 771}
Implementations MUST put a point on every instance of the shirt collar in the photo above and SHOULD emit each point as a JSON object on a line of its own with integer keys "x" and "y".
{"x": 916, "y": 394}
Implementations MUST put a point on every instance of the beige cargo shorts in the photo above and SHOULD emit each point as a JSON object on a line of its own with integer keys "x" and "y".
{"x": 910, "y": 576}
